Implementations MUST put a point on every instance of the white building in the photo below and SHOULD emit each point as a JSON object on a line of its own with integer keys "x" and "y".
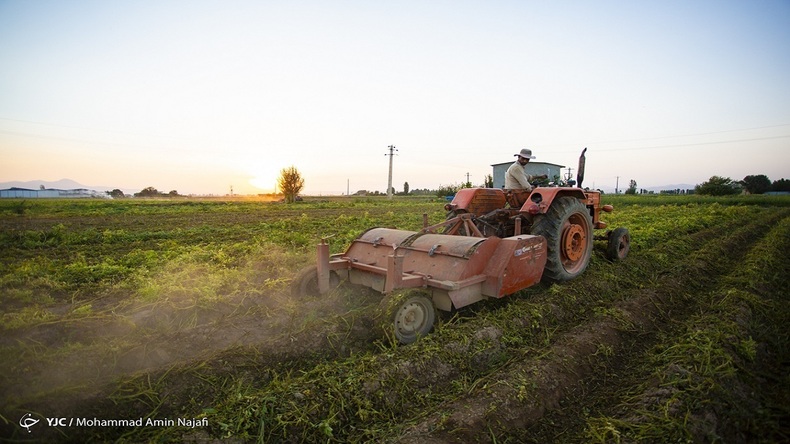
{"x": 24, "y": 193}
{"x": 533, "y": 168}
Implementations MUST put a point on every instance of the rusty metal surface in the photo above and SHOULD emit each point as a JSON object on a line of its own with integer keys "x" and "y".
{"x": 479, "y": 201}
{"x": 323, "y": 266}
{"x": 460, "y": 269}
{"x": 465, "y": 268}
{"x": 544, "y": 196}
{"x": 440, "y": 257}
{"x": 517, "y": 264}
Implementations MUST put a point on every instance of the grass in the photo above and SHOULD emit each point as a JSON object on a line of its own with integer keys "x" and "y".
{"x": 184, "y": 306}
{"x": 704, "y": 376}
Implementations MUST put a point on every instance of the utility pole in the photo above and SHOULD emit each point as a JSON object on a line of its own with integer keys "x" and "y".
{"x": 467, "y": 178}
{"x": 389, "y": 182}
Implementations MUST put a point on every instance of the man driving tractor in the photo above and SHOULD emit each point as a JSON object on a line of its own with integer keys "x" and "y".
{"x": 517, "y": 181}
{"x": 516, "y": 178}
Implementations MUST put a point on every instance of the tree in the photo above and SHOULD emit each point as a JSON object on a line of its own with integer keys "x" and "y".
{"x": 631, "y": 187}
{"x": 758, "y": 184}
{"x": 781, "y": 185}
{"x": 447, "y": 190}
{"x": 717, "y": 186}
{"x": 116, "y": 194}
{"x": 406, "y": 188}
{"x": 147, "y": 192}
{"x": 489, "y": 181}
{"x": 290, "y": 183}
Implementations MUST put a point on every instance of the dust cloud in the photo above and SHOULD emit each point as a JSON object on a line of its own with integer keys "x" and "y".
{"x": 121, "y": 338}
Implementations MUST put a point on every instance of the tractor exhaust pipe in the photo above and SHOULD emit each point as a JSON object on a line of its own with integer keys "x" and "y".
{"x": 580, "y": 170}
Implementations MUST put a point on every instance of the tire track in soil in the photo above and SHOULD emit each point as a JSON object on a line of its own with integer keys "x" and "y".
{"x": 153, "y": 340}
{"x": 503, "y": 408}
{"x": 736, "y": 408}
{"x": 638, "y": 311}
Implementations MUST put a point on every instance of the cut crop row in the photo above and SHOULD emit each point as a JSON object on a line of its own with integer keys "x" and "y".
{"x": 706, "y": 378}
{"x": 360, "y": 397}
{"x": 518, "y": 395}
{"x": 314, "y": 393}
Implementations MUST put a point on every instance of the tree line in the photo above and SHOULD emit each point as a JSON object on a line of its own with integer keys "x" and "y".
{"x": 723, "y": 186}
{"x": 145, "y": 192}
{"x": 291, "y": 183}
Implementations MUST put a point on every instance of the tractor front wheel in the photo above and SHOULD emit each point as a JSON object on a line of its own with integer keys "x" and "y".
{"x": 618, "y": 245}
{"x": 568, "y": 230}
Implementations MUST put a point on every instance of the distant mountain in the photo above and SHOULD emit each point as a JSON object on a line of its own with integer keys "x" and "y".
{"x": 62, "y": 184}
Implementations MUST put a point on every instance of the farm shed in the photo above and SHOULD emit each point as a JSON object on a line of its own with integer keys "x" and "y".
{"x": 532, "y": 168}
{"x": 24, "y": 193}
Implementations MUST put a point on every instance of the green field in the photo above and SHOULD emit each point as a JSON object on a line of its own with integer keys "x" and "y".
{"x": 177, "y": 313}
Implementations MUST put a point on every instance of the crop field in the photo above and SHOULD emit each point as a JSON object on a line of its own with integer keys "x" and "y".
{"x": 173, "y": 320}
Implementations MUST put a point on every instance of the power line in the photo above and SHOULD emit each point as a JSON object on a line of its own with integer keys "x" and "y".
{"x": 182, "y": 139}
{"x": 84, "y": 128}
{"x": 681, "y": 135}
{"x": 677, "y": 145}
{"x": 97, "y": 136}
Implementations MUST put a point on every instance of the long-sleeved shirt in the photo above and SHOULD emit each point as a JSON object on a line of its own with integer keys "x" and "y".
{"x": 516, "y": 178}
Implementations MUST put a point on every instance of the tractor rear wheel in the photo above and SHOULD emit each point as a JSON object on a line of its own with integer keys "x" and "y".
{"x": 305, "y": 283}
{"x": 568, "y": 230}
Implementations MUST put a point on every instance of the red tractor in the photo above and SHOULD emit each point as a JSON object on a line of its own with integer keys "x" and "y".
{"x": 493, "y": 243}
{"x": 564, "y": 216}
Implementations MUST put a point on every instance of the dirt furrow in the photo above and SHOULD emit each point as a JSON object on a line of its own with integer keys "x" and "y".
{"x": 524, "y": 391}
{"x": 394, "y": 387}
{"x": 731, "y": 347}
{"x": 315, "y": 374}
{"x": 79, "y": 367}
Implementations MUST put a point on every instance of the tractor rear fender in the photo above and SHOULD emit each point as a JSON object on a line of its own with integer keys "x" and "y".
{"x": 540, "y": 201}
{"x": 541, "y": 198}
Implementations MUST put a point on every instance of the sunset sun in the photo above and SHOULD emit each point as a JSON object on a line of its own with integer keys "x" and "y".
{"x": 264, "y": 178}
{"x": 264, "y": 182}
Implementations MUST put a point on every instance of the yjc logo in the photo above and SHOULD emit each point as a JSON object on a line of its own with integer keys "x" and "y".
{"x": 28, "y": 421}
{"x": 57, "y": 422}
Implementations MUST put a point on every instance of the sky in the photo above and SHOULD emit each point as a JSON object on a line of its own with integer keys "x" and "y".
{"x": 201, "y": 96}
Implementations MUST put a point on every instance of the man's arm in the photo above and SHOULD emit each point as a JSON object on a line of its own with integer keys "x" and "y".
{"x": 523, "y": 179}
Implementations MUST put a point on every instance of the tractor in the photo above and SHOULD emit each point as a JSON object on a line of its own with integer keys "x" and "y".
{"x": 493, "y": 243}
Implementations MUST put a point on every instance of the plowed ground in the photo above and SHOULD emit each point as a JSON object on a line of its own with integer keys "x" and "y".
{"x": 683, "y": 341}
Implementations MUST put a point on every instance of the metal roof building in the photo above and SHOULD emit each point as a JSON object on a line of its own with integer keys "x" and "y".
{"x": 24, "y": 193}
{"x": 552, "y": 170}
